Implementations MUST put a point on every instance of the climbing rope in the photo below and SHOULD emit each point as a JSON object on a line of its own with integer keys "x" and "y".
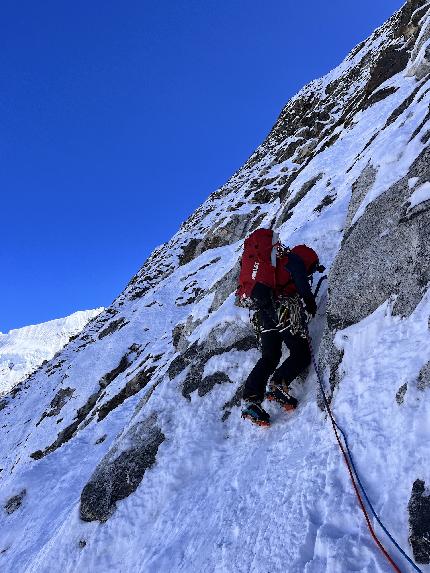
{"x": 355, "y": 479}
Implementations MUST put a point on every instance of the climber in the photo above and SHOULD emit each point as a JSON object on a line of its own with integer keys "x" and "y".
{"x": 277, "y": 289}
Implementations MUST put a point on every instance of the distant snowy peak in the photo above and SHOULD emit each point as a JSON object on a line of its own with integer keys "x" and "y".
{"x": 22, "y": 350}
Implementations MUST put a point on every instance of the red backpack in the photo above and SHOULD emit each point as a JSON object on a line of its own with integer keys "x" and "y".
{"x": 258, "y": 264}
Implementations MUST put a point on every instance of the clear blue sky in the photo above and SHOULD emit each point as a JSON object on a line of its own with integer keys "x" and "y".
{"x": 119, "y": 118}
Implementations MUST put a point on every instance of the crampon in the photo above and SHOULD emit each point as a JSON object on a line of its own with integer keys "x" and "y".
{"x": 256, "y": 414}
{"x": 277, "y": 394}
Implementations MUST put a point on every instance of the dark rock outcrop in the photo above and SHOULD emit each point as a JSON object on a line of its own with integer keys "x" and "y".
{"x": 69, "y": 431}
{"x": 390, "y": 61}
{"x": 60, "y": 399}
{"x": 419, "y": 522}
{"x": 107, "y": 378}
{"x": 234, "y": 401}
{"x": 121, "y": 471}
{"x": 132, "y": 387}
{"x": 327, "y": 200}
{"x": 177, "y": 334}
{"x": 419, "y": 65}
{"x": 424, "y": 377}
{"x": 400, "y": 394}
{"x": 113, "y": 327}
{"x": 236, "y": 228}
{"x": 81, "y": 418}
{"x": 222, "y": 339}
{"x": 208, "y": 382}
{"x": 330, "y": 358}
{"x": 190, "y": 294}
{"x": 294, "y": 201}
{"x": 15, "y": 502}
{"x": 379, "y": 95}
{"x": 189, "y": 251}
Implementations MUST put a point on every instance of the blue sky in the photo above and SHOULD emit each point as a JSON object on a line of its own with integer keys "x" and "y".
{"x": 119, "y": 118}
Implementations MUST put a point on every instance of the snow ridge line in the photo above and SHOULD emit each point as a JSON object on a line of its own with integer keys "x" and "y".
{"x": 354, "y": 474}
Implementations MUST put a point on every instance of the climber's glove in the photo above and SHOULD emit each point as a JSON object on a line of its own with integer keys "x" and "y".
{"x": 310, "y": 305}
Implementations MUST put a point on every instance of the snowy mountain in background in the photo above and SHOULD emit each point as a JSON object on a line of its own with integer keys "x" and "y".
{"x": 126, "y": 452}
{"x": 22, "y": 350}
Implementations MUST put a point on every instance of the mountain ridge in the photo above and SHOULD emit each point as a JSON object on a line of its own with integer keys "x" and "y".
{"x": 22, "y": 350}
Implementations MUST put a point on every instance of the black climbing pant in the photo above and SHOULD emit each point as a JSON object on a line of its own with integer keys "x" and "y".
{"x": 271, "y": 347}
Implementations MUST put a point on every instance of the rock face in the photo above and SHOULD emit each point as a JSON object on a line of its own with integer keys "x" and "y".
{"x": 121, "y": 471}
{"x": 387, "y": 252}
{"x": 419, "y": 522}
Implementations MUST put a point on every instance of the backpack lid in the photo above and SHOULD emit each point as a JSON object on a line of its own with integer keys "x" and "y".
{"x": 308, "y": 256}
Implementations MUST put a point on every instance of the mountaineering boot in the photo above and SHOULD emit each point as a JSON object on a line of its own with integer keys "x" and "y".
{"x": 256, "y": 414}
{"x": 280, "y": 395}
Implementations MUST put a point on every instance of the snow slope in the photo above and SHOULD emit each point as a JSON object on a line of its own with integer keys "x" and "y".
{"x": 127, "y": 453}
{"x": 24, "y": 349}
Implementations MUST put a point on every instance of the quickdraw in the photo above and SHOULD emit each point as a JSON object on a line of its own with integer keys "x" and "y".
{"x": 292, "y": 316}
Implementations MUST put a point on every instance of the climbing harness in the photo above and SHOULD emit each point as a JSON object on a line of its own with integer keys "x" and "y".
{"x": 291, "y": 315}
{"x": 355, "y": 479}
{"x": 291, "y": 318}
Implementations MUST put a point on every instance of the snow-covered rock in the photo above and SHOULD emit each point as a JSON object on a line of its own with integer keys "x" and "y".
{"x": 24, "y": 349}
{"x": 419, "y": 63}
{"x": 129, "y": 443}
